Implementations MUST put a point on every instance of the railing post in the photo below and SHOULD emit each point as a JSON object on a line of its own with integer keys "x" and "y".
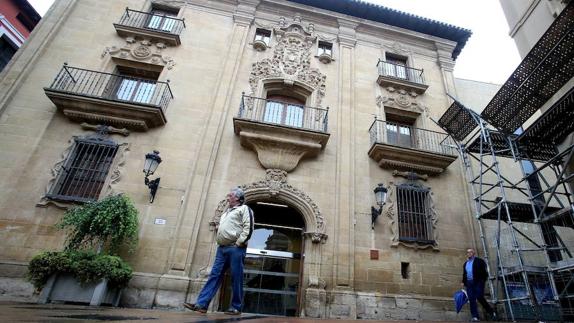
{"x": 326, "y": 120}
{"x": 70, "y": 74}
{"x": 241, "y": 104}
{"x": 128, "y": 12}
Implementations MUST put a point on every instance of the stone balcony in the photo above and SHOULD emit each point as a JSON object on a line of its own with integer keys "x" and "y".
{"x": 400, "y": 76}
{"x": 160, "y": 28}
{"x": 95, "y": 97}
{"x": 401, "y": 147}
{"x": 281, "y": 133}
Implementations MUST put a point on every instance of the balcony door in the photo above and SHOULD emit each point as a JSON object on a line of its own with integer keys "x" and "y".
{"x": 133, "y": 85}
{"x": 397, "y": 67}
{"x": 399, "y": 134}
{"x": 135, "y": 90}
{"x": 284, "y": 110}
{"x": 162, "y": 20}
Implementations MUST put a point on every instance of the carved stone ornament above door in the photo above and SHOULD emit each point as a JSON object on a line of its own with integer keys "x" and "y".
{"x": 141, "y": 51}
{"x": 400, "y": 99}
{"x": 275, "y": 187}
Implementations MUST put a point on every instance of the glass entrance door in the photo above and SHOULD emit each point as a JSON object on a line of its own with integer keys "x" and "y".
{"x": 271, "y": 284}
{"x": 271, "y": 272}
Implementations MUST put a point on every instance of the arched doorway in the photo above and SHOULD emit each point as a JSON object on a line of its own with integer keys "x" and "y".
{"x": 274, "y": 262}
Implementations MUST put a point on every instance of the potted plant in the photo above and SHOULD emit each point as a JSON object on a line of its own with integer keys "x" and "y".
{"x": 89, "y": 269}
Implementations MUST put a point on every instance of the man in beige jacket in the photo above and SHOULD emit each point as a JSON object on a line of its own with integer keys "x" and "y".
{"x": 235, "y": 229}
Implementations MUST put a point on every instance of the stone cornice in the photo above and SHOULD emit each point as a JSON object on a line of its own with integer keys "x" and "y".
{"x": 347, "y": 32}
{"x": 311, "y": 16}
{"x": 245, "y": 12}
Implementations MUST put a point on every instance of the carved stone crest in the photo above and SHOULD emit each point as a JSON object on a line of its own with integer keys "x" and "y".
{"x": 291, "y": 59}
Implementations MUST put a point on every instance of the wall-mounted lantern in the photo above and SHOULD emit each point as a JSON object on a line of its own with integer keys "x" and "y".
{"x": 381, "y": 198}
{"x": 152, "y": 161}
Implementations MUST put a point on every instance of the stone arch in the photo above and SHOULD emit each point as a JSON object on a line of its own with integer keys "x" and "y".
{"x": 275, "y": 187}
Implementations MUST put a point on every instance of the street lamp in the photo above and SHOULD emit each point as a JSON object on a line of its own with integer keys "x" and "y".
{"x": 381, "y": 198}
{"x": 152, "y": 161}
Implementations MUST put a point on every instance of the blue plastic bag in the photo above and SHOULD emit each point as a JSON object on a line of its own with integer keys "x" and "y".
{"x": 460, "y": 298}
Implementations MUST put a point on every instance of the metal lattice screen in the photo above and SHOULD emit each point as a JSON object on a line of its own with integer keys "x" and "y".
{"x": 414, "y": 214}
{"x": 84, "y": 172}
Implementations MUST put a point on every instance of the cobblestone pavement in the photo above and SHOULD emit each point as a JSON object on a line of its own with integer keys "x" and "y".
{"x": 31, "y": 312}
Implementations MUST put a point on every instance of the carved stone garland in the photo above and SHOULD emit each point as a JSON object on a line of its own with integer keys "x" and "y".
{"x": 391, "y": 211}
{"x": 275, "y": 186}
{"x": 114, "y": 174}
{"x": 142, "y": 51}
{"x": 400, "y": 99}
{"x": 291, "y": 59}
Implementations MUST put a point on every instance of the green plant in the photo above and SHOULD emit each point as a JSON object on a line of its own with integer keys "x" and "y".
{"x": 104, "y": 225}
{"x": 86, "y": 266}
{"x": 96, "y": 231}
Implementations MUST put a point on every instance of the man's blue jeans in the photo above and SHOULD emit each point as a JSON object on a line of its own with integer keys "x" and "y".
{"x": 226, "y": 257}
{"x": 475, "y": 291}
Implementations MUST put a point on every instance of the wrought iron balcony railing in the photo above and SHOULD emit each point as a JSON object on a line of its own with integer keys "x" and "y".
{"x": 401, "y": 72}
{"x": 155, "y": 22}
{"x": 112, "y": 87}
{"x": 396, "y": 134}
{"x": 285, "y": 114}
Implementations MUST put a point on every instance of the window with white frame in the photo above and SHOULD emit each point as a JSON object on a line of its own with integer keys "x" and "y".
{"x": 162, "y": 19}
{"x": 284, "y": 110}
{"x": 396, "y": 66}
{"x": 263, "y": 35}
{"x": 325, "y": 48}
{"x": 133, "y": 85}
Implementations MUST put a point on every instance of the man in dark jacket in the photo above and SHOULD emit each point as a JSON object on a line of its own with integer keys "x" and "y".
{"x": 474, "y": 275}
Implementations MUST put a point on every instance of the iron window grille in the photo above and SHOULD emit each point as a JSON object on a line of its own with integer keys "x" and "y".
{"x": 414, "y": 214}
{"x": 84, "y": 172}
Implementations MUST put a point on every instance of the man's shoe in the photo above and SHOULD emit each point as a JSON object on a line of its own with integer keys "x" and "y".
{"x": 493, "y": 316}
{"x": 475, "y": 319}
{"x": 195, "y": 308}
{"x": 232, "y": 311}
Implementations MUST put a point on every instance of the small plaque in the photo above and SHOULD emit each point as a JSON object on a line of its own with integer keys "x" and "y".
{"x": 160, "y": 221}
{"x": 374, "y": 254}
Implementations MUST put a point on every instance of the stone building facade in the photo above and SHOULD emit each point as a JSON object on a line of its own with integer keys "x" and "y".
{"x": 307, "y": 105}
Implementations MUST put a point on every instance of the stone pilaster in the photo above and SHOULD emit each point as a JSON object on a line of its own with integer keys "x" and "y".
{"x": 190, "y": 220}
{"x": 344, "y": 204}
{"x": 446, "y": 64}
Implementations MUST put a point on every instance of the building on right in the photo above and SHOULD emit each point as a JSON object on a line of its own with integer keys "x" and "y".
{"x": 518, "y": 157}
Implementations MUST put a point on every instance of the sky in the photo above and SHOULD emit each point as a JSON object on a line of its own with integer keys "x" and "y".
{"x": 490, "y": 55}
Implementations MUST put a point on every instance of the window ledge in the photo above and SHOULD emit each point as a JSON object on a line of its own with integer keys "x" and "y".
{"x": 416, "y": 245}
{"x": 409, "y": 159}
{"x": 386, "y": 81}
{"x": 134, "y": 116}
{"x": 325, "y": 58}
{"x": 259, "y": 45}
{"x": 148, "y": 33}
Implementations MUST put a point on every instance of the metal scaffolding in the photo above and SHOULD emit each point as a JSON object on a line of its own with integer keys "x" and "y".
{"x": 526, "y": 219}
